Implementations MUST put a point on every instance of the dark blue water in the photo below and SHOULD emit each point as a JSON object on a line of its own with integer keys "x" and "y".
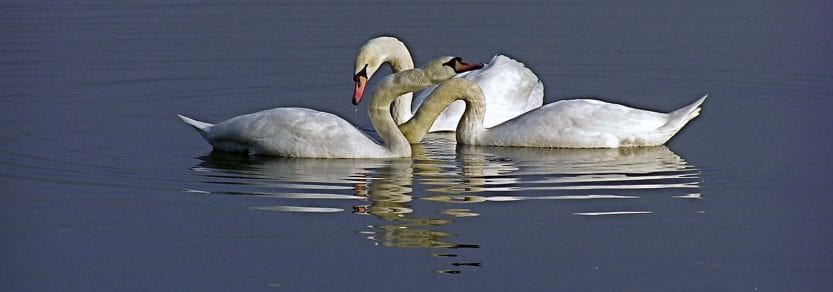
{"x": 103, "y": 188}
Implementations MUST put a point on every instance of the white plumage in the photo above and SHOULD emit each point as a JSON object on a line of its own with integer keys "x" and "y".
{"x": 290, "y": 132}
{"x": 578, "y": 123}
{"x": 510, "y": 87}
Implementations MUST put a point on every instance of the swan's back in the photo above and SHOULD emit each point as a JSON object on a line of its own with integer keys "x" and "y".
{"x": 293, "y": 132}
{"x": 587, "y": 123}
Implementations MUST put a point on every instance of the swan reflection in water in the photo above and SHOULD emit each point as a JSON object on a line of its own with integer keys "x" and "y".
{"x": 390, "y": 201}
{"x": 378, "y": 187}
{"x": 566, "y": 174}
{"x": 450, "y": 174}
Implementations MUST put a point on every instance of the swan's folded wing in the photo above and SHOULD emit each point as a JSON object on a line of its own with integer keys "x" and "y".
{"x": 580, "y": 123}
{"x": 598, "y": 116}
{"x": 290, "y": 132}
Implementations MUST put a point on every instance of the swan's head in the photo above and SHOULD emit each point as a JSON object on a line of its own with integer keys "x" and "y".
{"x": 382, "y": 50}
{"x": 375, "y": 53}
{"x": 444, "y": 68}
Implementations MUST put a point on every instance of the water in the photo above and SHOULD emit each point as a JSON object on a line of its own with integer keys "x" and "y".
{"x": 102, "y": 187}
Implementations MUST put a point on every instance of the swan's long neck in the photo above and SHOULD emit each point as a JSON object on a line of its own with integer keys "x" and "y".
{"x": 388, "y": 50}
{"x": 470, "y": 126}
{"x": 400, "y": 60}
{"x": 379, "y": 109}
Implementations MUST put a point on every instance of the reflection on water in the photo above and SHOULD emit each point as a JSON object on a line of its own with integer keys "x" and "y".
{"x": 607, "y": 173}
{"x": 443, "y": 172}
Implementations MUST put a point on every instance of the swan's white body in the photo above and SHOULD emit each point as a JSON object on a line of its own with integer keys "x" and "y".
{"x": 510, "y": 88}
{"x": 578, "y": 123}
{"x": 587, "y": 123}
{"x": 292, "y": 132}
{"x": 301, "y": 132}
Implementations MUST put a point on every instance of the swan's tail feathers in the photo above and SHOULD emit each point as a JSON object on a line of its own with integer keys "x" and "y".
{"x": 679, "y": 118}
{"x": 688, "y": 112}
{"x": 201, "y": 127}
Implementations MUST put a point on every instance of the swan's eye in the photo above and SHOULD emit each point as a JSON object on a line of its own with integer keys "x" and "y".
{"x": 362, "y": 73}
{"x": 453, "y": 62}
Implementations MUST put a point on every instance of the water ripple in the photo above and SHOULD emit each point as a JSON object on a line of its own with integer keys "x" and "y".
{"x": 445, "y": 172}
{"x": 393, "y": 191}
{"x": 299, "y": 209}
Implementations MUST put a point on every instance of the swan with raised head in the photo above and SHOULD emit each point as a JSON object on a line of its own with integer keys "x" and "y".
{"x": 577, "y": 123}
{"x": 509, "y": 86}
{"x": 302, "y": 132}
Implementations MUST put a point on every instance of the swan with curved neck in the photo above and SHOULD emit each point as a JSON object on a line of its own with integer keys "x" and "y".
{"x": 510, "y": 88}
{"x": 578, "y": 123}
{"x": 372, "y": 55}
{"x": 301, "y": 132}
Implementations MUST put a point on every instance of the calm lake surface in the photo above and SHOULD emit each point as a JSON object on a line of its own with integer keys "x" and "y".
{"x": 103, "y": 188}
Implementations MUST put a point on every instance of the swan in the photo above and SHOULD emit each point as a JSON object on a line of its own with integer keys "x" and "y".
{"x": 510, "y": 87}
{"x": 577, "y": 123}
{"x": 302, "y": 132}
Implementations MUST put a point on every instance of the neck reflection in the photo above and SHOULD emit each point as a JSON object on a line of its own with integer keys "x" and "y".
{"x": 390, "y": 196}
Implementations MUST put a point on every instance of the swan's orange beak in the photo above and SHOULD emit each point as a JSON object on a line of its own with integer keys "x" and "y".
{"x": 461, "y": 66}
{"x": 358, "y": 91}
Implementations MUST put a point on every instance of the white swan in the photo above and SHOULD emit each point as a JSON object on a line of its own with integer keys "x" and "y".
{"x": 301, "y": 132}
{"x": 577, "y": 123}
{"x": 510, "y": 87}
